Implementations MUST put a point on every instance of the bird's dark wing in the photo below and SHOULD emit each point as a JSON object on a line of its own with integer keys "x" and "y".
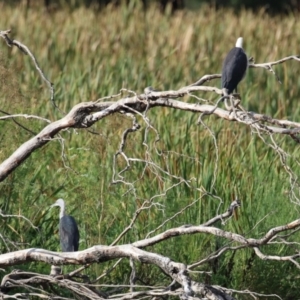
{"x": 69, "y": 234}
{"x": 234, "y": 68}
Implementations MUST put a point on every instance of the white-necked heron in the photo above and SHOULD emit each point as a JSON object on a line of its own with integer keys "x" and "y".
{"x": 68, "y": 229}
{"x": 234, "y": 67}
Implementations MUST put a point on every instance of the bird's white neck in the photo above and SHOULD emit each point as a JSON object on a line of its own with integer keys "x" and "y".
{"x": 239, "y": 42}
{"x": 62, "y": 212}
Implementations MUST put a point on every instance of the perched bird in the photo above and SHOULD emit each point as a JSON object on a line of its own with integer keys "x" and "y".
{"x": 234, "y": 67}
{"x": 68, "y": 229}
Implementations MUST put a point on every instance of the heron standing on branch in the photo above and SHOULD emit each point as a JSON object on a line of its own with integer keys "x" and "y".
{"x": 68, "y": 229}
{"x": 234, "y": 68}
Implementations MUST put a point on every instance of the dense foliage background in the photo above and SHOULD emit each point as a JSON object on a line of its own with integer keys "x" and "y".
{"x": 89, "y": 54}
{"x": 270, "y": 6}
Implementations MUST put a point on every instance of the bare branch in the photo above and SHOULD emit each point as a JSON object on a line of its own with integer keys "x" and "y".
{"x": 82, "y": 116}
{"x": 268, "y": 65}
{"x": 25, "y": 116}
{"x": 17, "y": 216}
{"x": 177, "y": 271}
{"x": 105, "y": 253}
{"x": 290, "y": 258}
{"x": 25, "y": 50}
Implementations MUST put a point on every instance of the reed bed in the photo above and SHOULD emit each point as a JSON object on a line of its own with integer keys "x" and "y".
{"x": 90, "y": 54}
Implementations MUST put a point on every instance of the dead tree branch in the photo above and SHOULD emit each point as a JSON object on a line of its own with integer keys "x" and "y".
{"x": 105, "y": 253}
{"x": 10, "y": 42}
{"x": 84, "y": 115}
{"x": 176, "y": 271}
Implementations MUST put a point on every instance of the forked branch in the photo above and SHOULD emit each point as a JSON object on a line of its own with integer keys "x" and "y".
{"x": 176, "y": 271}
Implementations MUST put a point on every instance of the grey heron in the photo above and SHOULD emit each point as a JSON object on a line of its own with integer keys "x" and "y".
{"x": 68, "y": 229}
{"x": 234, "y": 67}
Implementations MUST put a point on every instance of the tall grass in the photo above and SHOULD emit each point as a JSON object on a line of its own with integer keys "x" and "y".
{"x": 88, "y": 55}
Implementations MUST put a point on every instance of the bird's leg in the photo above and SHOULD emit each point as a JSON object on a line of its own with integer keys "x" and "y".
{"x": 236, "y": 100}
{"x": 237, "y": 97}
{"x": 233, "y": 105}
{"x": 228, "y": 107}
{"x": 55, "y": 270}
{"x": 233, "y": 108}
{"x": 233, "y": 101}
{"x": 226, "y": 97}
